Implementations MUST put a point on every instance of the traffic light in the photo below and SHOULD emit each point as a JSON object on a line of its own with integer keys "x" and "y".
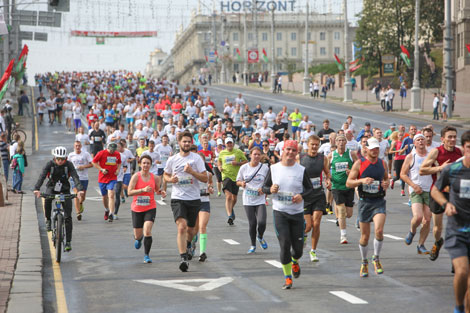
{"x": 53, "y": 3}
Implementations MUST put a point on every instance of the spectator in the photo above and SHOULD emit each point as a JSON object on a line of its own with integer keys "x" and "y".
{"x": 23, "y": 103}
{"x": 18, "y": 171}
{"x": 435, "y": 106}
{"x": 5, "y": 154}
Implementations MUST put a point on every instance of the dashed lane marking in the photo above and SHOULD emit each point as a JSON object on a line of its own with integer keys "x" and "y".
{"x": 274, "y": 263}
{"x": 348, "y": 297}
{"x": 231, "y": 242}
{"x": 393, "y": 237}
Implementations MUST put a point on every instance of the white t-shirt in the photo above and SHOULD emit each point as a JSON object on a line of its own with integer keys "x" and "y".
{"x": 265, "y": 133}
{"x": 117, "y": 135}
{"x": 250, "y": 192}
{"x": 77, "y": 112}
{"x": 155, "y": 157}
{"x": 270, "y": 118}
{"x": 165, "y": 153}
{"x": 129, "y": 155}
{"x": 140, "y": 133}
{"x": 325, "y": 149}
{"x": 279, "y": 148}
{"x": 83, "y": 158}
{"x": 304, "y": 138}
{"x": 384, "y": 144}
{"x": 352, "y": 145}
{"x": 187, "y": 187}
{"x": 290, "y": 181}
{"x": 41, "y": 107}
{"x": 166, "y": 114}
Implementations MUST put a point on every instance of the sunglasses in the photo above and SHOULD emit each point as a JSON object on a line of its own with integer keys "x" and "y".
{"x": 265, "y": 145}
{"x": 60, "y": 159}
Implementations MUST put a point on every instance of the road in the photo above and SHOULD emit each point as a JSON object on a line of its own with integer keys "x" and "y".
{"x": 104, "y": 272}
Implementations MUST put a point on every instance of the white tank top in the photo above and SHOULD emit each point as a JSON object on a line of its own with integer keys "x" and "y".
{"x": 424, "y": 181}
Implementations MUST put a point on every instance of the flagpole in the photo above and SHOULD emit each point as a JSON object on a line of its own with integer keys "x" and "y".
{"x": 273, "y": 68}
{"x": 245, "y": 43}
{"x": 347, "y": 75}
{"x": 6, "y": 38}
{"x": 306, "y": 78}
{"x": 448, "y": 53}
{"x": 415, "y": 90}
{"x": 222, "y": 70}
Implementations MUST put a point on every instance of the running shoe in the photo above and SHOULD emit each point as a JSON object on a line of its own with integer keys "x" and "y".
{"x": 202, "y": 257}
{"x": 68, "y": 247}
{"x": 377, "y": 265}
{"x": 79, "y": 216}
{"x": 262, "y": 243}
{"x": 409, "y": 238}
{"x": 115, "y": 217}
{"x": 81, "y": 209}
{"x": 296, "y": 269}
{"x": 230, "y": 221}
{"x": 106, "y": 215}
{"x": 402, "y": 193}
{"x": 344, "y": 240}
{"x": 313, "y": 256}
{"x": 392, "y": 183}
{"x": 218, "y": 194}
{"x": 422, "y": 249}
{"x": 251, "y": 250}
{"x": 364, "y": 269}
{"x": 184, "y": 265}
{"x": 110, "y": 218}
{"x": 147, "y": 259}
{"x": 358, "y": 226}
{"x": 288, "y": 283}
{"x": 138, "y": 243}
{"x": 123, "y": 200}
{"x": 435, "y": 249}
{"x": 48, "y": 225}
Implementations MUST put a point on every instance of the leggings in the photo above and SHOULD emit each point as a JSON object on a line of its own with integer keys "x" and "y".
{"x": 290, "y": 233}
{"x": 117, "y": 191}
{"x": 397, "y": 164}
{"x": 67, "y": 206}
{"x": 256, "y": 215}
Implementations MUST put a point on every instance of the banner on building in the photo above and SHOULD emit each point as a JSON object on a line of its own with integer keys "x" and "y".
{"x": 84, "y": 33}
{"x": 253, "y": 56}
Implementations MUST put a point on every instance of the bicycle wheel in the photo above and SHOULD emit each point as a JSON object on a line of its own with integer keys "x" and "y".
{"x": 21, "y": 133}
{"x": 59, "y": 237}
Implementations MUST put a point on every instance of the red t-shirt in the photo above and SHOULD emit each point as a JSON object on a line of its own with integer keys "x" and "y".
{"x": 176, "y": 108}
{"x": 159, "y": 107}
{"x": 91, "y": 118}
{"x": 208, "y": 156}
{"x": 108, "y": 161}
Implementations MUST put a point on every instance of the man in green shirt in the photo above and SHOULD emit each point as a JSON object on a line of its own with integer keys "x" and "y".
{"x": 295, "y": 117}
{"x": 229, "y": 163}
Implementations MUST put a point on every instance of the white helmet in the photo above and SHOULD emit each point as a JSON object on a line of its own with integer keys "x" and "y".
{"x": 59, "y": 152}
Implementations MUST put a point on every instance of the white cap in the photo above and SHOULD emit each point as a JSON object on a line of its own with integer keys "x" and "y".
{"x": 220, "y": 142}
{"x": 228, "y": 139}
{"x": 373, "y": 143}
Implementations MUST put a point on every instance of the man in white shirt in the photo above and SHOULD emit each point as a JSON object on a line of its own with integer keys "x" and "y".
{"x": 351, "y": 143}
{"x": 239, "y": 100}
{"x": 270, "y": 117}
{"x": 390, "y": 96}
{"x": 435, "y": 106}
{"x": 81, "y": 160}
{"x": 119, "y": 134}
{"x": 384, "y": 145}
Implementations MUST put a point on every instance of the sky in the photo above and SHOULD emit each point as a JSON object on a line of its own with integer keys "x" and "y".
{"x": 65, "y": 52}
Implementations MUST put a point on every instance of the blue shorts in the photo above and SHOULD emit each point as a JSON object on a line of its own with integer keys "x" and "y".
{"x": 104, "y": 187}
{"x": 129, "y": 120}
{"x": 160, "y": 171}
{"x": 83, "y": 182}
{"x": 126, "y": 179}
{"x": 295, "y": 129}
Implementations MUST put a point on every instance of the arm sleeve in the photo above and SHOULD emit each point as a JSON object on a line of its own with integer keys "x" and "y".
{"x": 268, "y": 182}
{"x": 42, "y": 176}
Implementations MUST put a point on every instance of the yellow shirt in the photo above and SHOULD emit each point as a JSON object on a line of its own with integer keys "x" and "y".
{"x": 141, "y": 150}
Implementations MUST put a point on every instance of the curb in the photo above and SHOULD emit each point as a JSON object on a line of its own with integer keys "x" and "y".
{"x": 26, "y": 290}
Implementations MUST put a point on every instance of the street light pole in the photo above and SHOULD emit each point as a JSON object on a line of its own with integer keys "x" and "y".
{"x": 415, "y": 90}
{"x": 245, "y": 57}
{"x": 306, "y": 78}
{"x": 214, "y": 43}
{"x": 347, "y": 75}
{"x": 222, "y": 38}
{"x": 6, "y": 37}
{"x": 273, "y": 67}
{"x": 448, "y": 66}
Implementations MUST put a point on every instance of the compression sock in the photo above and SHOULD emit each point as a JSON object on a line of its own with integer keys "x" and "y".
{"x": 147, "y": 244}
{"x": 294, "y": 260}
{"x": 363, "y": 250}
{"x": 202, "y": 244}
{"x": 459, "y": 309}
{"x": 287, "y": 269}
{"x": 343, "y": 232}
{"x": 377, "y": 246}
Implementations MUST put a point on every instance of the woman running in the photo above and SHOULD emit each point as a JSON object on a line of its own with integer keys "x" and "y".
{"x": 143, "y": 187}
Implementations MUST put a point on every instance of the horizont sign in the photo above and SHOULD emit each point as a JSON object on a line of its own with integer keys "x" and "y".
{"x": 259, "y": 5}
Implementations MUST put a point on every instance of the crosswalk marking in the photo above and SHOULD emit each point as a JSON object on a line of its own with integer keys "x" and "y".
{"x": 231, "y": 242}
{"x": 393, "y": 237}
{"x": 348, "y": 297}
{"x": 274, "y": 263}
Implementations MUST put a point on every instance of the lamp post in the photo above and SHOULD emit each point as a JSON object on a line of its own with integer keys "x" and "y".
{"x": 347, "y": 75}
{"x": 222, "y": 37}
{"x": 416, "y": 90}
{"x": 273, "y": 67}
{"x": 245, "y": 57}
{"x": 306, "y": 78}
{"x": 449, "y": 67}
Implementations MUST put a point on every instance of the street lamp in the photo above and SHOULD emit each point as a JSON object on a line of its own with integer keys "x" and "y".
{"x": 415, "y": 90}
{"x": 306, "y": 78}
{"x": 347, "y": 75}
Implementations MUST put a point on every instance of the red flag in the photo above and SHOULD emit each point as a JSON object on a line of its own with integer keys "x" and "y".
{"x": 24, "y": 51}
{"x": 355, "y": 68}
{"x": 7, "y": 73}
{"x": 405, "y": 51}
{"x": 339, "y": 64}
{"x": 238, "y": 51}
{"x": 468, "y": 47}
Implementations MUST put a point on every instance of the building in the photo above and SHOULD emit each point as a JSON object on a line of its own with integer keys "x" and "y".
{"x": 461, "y": 35}
{"x": 154, "y": 66}
{"x": 193, "y": 51}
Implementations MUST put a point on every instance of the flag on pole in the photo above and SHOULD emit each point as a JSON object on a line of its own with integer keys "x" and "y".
{"x": 22, "y": 60}
{"x": 468, "y": 47}
{"x": 216, "y": 56}
{"x": 265, "y": 56}
{"x": 5, "y": 88}
{"x": 7, "y": 73}
{"x": 207, "y": 60}
{"x": 354, "y": 62}
{"x": 339, "y": 64}
{"x": 239, "y": 56}
{"x": 405, "y": 55}
{"x": 355, "y": 68}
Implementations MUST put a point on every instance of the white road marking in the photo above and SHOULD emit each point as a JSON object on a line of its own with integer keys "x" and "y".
{"x": 98, "y": 191}
{"x": 209, "y": 284}
{"x": 231, "y": 242}
{"x": 393, "y": 237}
{"x": 161, "y": 202}
{"x": 331, "y": 220}
{"x": 348, "y": 297}
{"x": 274, "y": 263}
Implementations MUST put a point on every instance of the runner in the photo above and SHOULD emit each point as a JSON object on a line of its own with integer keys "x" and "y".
{"x": 251, "y": 178}
{"x": 108, "y": 163}
{"x": 98, "y": 138}
{"x": 155, "y": 157}
{"x": 443, "y": 156}
{"x": 283, "y": 180}
{"x": 218, "y": 174}
{"x": 419, "y": 189}
{"x": 229, "y": 163}
{"x": 165, "y": 152}
{"x": 184, "y": 170}
{"x": 81, "y": 160}
{"x": 370, "y": 175}
{"x": 315, "y": 206}
{"x": 142, "y": 187}
{"x": 456, "y": 177}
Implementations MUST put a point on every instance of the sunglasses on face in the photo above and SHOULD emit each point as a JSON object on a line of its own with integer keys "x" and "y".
{"x": 265, "y": 145}
{"x": 60, "y": 159}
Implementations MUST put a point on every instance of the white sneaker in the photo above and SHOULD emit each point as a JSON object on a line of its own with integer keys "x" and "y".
{"x": 115, "y": 217}
{"x": 343, "y": 240}
{"x": 313, "y": 256}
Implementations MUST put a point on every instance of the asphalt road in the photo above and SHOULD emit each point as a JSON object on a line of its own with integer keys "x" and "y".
{"x": 104, "y": 272}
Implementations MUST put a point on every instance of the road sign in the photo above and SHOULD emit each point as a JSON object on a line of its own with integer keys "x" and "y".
{"x": 211, "y": 57}
{"x": 184, "y": 284}
{"x": 253, "y": 56}
{"x": 26, "y": 35}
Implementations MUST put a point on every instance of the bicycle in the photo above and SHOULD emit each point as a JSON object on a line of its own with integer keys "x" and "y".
{"x": 58, "y": 222}
{"x": 15, "y": 129}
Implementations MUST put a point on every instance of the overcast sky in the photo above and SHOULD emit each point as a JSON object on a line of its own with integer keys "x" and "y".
{"x": 64, "y": 52}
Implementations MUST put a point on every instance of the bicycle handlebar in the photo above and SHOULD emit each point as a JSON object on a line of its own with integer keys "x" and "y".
{"x": 60, "y": 197}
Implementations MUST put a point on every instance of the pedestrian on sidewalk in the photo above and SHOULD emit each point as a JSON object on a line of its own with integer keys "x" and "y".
{"x": 279, "y": 84}
{"x": 316, "y": 89}
{"x": 403, "y": 89}
{"x": 435, "y": 106}
{"x": 333, "y": 82}
{"x": 19, "y": 166}
{"x": 4, "y": 152}
{"x": 23, "y": 103}
{"x": 260, "y": 79}
{"x": 382, "y": 99}
{"x": 311, "y": 88}
{"x": 390, "y": 95}
{"x": 324, "y": 90}
{"x": 445, "y": 101}
{"x": 377, "y": 89}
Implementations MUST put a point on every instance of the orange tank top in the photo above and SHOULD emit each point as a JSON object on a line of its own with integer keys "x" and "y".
{"x": 144, "y": 201}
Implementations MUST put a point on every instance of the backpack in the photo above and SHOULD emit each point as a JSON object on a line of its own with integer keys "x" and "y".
{"x": 14, "y": 163}
{"x": 51, "y": 172}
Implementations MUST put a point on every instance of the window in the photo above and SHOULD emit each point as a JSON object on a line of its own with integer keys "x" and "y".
{"x": 336, "y": 36}
{"x": 264, "y": 36}
{"x": 279, "y": 52}
{"x": 235, "y": 36}
{"x": 322, "y": 36}
{"x": 337, "y": 50}
{"x": 250, "y": 36}
{"x": 265, "y": 67}
{"x": 309, "y": 36}
{"x": 236, "y": 67}
{"x": 207, "y": 36}
{"x": 322, "y": 51}
{"x": 293, "y": 52}
{"x": 206, "y": 52}
{"x": 293, "y": 36}
{"x": 278, "y": 36}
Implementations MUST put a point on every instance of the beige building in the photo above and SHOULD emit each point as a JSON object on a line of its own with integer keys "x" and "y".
{"x": 461, "y": 35}
{"x": 155, "y": 65}
{"x": 196, "y": 42}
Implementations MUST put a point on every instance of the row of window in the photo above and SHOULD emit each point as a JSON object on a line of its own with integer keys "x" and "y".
{"x": 293, "y": 51}
{"x": 293, "y": 36}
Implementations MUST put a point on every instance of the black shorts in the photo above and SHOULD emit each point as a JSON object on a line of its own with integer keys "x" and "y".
{"x": 139, "y": 218}
{"x": 205, "y": 207}
{"x": 187, "y": 209}
{"x": 390, "y": 157}
{"x": 316, "y": 203}
{"x": 110, "y": 124}
{"x": 218, "y": 174}
{"x": 457, "y": 243}
{"x": 435, "y": 207}
{"x": 230, "y": 186}
{"x": 344, "y": 196}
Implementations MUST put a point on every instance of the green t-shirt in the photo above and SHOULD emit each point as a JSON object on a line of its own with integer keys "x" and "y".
{"x": 296, "y": 118}
{"x": 226, "y": 158}
{"x": 339, "y": 165}
{"x": 387, "y": 134}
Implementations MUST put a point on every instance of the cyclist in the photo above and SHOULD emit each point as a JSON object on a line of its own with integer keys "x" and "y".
{"x": 58, "y": 170}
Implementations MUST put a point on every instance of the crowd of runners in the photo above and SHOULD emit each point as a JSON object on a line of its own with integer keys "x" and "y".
{"x": 143, "y": 135}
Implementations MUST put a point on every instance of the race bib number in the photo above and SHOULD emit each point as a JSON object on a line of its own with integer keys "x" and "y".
{"x": 185, "y": 181}
{"x": 164, "y": 158}
{"x": 58, "y": 186}
{"x": 465, "y": 189}
{"x": 341, "y": 166}
{"x": 208, "y": 158}
{"x": 316, "y": 183}
{"x": 251, "y": 192}
{"x": 285, "y": 197}
{"x": 229, "y": 159}
{"x": 143, "y": 200}
{"x": 326, "y": 136}
{"x": 97, "y": 139}
{"x": 372, "y": 188}
{"x": 111, "y": 160}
